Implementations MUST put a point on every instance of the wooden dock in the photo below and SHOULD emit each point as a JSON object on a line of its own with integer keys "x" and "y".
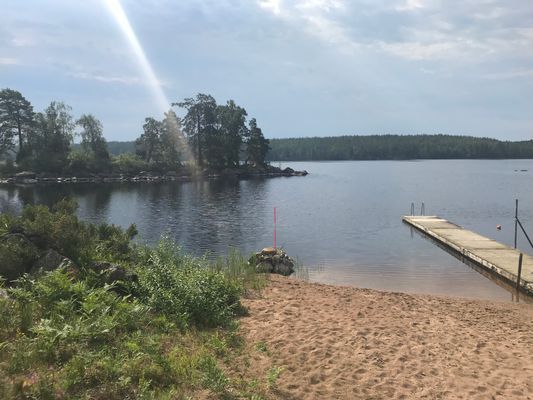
{"x": 496, "y": 257}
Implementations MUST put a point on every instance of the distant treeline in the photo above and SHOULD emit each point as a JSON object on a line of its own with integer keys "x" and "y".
{"x": 381, "y": 147}
{"x": 396, "y": 147}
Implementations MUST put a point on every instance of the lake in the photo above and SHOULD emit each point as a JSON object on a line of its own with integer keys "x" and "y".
{"x": 342, "y": 222}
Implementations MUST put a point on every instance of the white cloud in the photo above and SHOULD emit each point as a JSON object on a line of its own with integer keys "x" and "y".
{"x": 410, "y": 5}
{"x": 23, "y": 41}
{"x": 273, "y": 6}
{"x": 126, "y": 80}
{"x": 9, "y": 61}
{"x": 513, "y": 74}
{"x": 324, "y": 5}
{"x": 419, "y": 51}
{"x": 464, "y": 32}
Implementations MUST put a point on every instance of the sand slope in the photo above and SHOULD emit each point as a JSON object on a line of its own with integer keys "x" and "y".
{"x": 346, "y": 343}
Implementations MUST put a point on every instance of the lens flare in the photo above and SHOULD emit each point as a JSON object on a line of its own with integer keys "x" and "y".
{"x": 116, "y": 10}
{"x": 119, "y": 15}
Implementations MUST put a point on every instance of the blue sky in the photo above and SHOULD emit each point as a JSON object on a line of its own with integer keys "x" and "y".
{"x": 302, "y": 68}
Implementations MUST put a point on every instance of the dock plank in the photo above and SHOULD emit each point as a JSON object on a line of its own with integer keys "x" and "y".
{"x": 496, "y": 257}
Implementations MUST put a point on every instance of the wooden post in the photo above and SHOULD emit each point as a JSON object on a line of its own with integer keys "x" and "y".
{"x": 515, "y": 222}
{"x": 519, "y": 271}
{"x": 275, "y": 227}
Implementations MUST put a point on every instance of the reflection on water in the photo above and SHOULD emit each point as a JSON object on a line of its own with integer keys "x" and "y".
{"x": 343, "y": 221}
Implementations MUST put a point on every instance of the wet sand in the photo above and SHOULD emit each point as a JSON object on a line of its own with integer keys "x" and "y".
{"x": 336, "y": 342}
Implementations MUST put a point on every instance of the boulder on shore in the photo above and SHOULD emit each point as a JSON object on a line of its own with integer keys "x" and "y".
{"x": 49, "y": 261}
{"x": 113, "y": 273}
{"x": 272, "y": 260}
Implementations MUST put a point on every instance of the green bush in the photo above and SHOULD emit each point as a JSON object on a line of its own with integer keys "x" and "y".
{"x": 17, "y": 255}
{"x": 58, "y": 228}
{"x": 7, "y": 167}
{"x": 79, "y": 161}
{"x": 128, "y": 163}
{"x": 185, "y": 287}
{"x": 113, "y": 242}
{"x": 24, "y": 238}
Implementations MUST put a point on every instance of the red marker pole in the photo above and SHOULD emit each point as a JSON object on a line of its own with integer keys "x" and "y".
{"x": 274, "y": 227}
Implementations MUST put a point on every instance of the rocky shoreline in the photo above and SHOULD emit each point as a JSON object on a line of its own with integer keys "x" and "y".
{"x": 30, "y": 177}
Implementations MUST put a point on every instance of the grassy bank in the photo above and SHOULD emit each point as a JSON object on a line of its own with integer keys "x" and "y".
{"x": 167, "y": 331}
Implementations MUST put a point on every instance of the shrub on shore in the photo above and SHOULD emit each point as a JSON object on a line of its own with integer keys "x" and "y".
{"x": 67, "y": 334}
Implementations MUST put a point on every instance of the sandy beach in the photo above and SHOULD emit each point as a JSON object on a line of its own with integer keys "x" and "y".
{"x": 335, "y": 342}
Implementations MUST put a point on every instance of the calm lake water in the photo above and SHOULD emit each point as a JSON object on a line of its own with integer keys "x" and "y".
{"x": 343, "y": 221}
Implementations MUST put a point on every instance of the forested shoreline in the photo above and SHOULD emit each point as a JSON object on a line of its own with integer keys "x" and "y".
{"x": 396, "y": 147}
{"x": 383, "y": 147}
{"x": 209, "y": 138}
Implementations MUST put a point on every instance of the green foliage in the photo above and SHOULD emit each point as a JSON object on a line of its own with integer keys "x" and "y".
{"x": 64, "y": 334}
{"x": 16, "y": 120}
{"x": 44, "y": 139}
{"x": 273, "y": 375}
{"x": 58, "y": 228}
{"x": 237, "y": 269}
{"x": 396, "y": 147}
{"x": 256, "y": 146}
{"x": 17, "y": 256}
{"x": 261, "y": 347}
{"x": 93, "y": 151}
{"x": 216, "y": 133}
{"x": 23, "y": 238}
{"x": 7, "y": 167}
{"x": 79, "y": 161}
{"x": 129, "y": 163}
{"x": 213, "y": 377}
{"x": 116, "y": 148}
{"x": 114, "y": 243}
{"x": 159, "y": 145}
{"x": 50, "y": 141}
{"x": 186, "y": 288}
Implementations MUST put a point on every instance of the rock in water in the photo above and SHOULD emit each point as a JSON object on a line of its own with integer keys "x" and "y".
{"x": 271, "y": 260}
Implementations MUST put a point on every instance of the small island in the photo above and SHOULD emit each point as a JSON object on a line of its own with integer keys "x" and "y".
{"x": 209, "y": 141}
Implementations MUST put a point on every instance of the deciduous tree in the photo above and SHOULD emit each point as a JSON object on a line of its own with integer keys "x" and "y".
{"x": 199, "y": 123}
{"x": 50, "y": 142}
{"x": 93, "y": 142}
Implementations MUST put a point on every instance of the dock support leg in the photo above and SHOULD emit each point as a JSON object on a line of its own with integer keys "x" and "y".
{"x": 519, "y": 271}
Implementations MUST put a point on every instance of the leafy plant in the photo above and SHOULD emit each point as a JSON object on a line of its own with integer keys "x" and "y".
{"x": 178, "y": 285}
{"x": 273, "y": 375}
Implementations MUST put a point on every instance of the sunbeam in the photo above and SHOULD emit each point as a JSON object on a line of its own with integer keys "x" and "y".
{"x": 119, "y": 15}
{"x": 116, "y": 10}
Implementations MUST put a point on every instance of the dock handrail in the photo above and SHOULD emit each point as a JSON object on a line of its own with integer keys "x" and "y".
{"x": 517, "y": 223}
{"x": 422, "y": 209}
